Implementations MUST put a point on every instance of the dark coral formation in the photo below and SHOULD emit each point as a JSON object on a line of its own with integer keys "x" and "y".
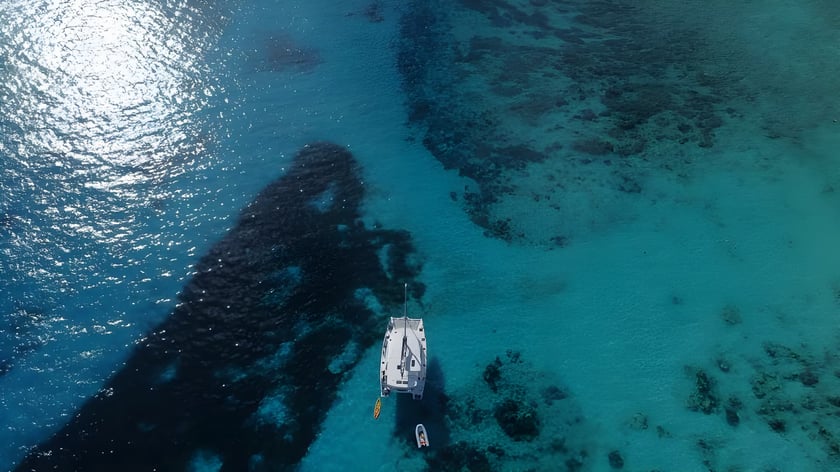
{"x": 704, "y": 398}
{"x": 616, "y": 460}
{"x": 733, "y": 418}
{"x": 198, "y": 381}
{"x": 517, "y": 419}
{"x": 492, "y": 374}
{"x": 462, "y": 456}
{"x": 708, "y": 451}
{"x": 638, "y": 422}
{"x": 811, "y": 408}
{"x": 512, "y": 416}
{"x": 792, "y": 392}
{"x": 604, "y": 73}
{"x": 373, "y": 12}
{"x": 593, "y": 146}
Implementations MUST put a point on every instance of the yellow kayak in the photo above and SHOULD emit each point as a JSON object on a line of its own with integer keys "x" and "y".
{"x": 377, "y": 408}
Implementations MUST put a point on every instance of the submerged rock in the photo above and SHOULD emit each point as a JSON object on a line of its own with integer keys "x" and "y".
{"x": 616, "y": 461}
{"x": 553, "y": 393}
{"x": 731, "y": 315}
{"x": 809, "y": 378}
{"x": 638, "y": 422}
{"x": 517, "y": 420}
{"x": 493, "y": 374}
{"x": 731, "y": 411}
{"x": 460, "y": 456}
{"x": 777, "y": 425}
{"x": 732, "y": 417}
{"x": 764, "y": 383}
{"x": 529, "y": 421}
{"x": 704, "y": 398}
{"x": 593, "y": 146}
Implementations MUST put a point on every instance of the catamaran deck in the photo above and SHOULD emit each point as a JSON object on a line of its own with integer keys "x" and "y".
{"x": 403, "y": 364}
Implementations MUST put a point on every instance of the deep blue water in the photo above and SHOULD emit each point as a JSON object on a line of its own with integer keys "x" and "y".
{"x": 164, "y": 231}
{"x": 617, "y": 219}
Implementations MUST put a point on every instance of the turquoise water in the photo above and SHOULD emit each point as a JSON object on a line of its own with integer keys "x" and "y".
{"x": 633, "y": 206}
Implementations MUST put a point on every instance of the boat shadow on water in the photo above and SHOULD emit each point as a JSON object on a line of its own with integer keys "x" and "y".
{"x": 430, "y": 411}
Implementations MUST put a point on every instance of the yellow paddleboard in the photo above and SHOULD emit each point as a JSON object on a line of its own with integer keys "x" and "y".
{"x": 377, "y": 408}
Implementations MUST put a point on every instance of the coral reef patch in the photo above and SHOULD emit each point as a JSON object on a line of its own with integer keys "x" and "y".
{"x": 548, "y": 88}
{"x": 789, "y": 391}
{"x": 512, "y": 415}
{"x": 704, "y": 398}
{"x": 518, "y": 420}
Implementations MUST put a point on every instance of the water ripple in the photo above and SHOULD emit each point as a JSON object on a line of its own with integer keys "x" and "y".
{"x": 102, "y": 106}
{"x": 94, "y": 85}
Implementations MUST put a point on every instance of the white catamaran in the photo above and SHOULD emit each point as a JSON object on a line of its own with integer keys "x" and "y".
{"x": 403, "y": 366}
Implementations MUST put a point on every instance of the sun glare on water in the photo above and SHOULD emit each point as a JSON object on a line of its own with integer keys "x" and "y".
{"x": 102, "y": 108}
{"x": 102, "y": 82}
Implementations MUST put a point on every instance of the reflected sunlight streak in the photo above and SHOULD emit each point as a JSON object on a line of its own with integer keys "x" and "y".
{"x": 104, "y": 117}
{"x": 101, "y": 108}
{"x": 107, "y": 80}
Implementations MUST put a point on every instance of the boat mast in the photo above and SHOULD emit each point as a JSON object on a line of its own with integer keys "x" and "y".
{"x": 405, "y": 329}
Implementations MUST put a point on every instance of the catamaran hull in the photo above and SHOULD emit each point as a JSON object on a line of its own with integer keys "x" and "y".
{"x": 403, "y": 361}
